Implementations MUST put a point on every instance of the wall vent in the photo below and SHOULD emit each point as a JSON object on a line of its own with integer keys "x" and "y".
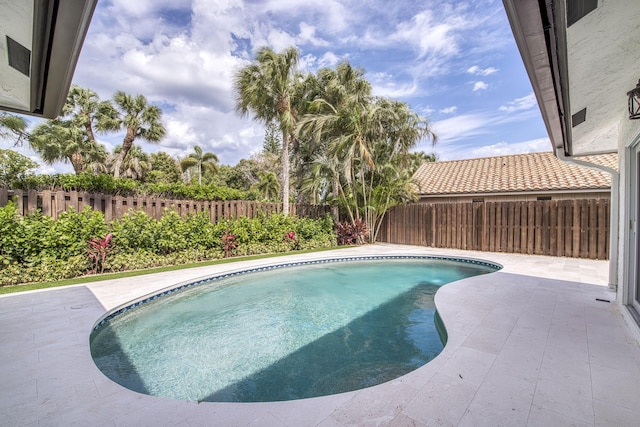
{"x": 577, "y": 9}
{"x": 579, "y": 117}
{"x": 19, "y": 56}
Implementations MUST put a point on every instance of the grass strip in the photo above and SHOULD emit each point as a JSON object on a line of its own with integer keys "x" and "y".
{"x": 133, "y": 273}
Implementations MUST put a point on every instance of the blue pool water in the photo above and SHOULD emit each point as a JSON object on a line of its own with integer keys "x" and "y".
{"x": 284, "y": 334}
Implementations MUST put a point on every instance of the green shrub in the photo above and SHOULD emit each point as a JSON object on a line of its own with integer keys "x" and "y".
{"x": 37, "y": 248}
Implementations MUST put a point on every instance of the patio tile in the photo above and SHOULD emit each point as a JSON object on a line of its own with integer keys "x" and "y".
{"x": 613, "y": 386}
{"x": 608, "y": 414}
{"x": 502, "y": 398}
{"x": 470, "y": 365}
{"x": 443, "y": 401}
{"x": 489, "y": 340}
{"x": 565, "y": 393}
{"x": 544, "y": 418}
{"x": 402, "y": 420}
{"x": 374, "y": 406}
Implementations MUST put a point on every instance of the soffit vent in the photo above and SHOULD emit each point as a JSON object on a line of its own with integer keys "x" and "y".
{"x": 578, "y": 117}
{"x": 19, "y": 56}
{"x": 577, "y": 9}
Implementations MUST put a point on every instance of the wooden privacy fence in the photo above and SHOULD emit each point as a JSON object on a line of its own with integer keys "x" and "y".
{"x": 571, "y": 228}
{"x": 52, "y": 203}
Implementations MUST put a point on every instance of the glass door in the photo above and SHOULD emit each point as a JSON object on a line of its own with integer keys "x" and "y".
{"x": 634, "y": 235}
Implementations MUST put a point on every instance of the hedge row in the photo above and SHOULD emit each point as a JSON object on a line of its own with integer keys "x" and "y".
{"x": 104, "y": 183}
{"x": 36, "y": 248}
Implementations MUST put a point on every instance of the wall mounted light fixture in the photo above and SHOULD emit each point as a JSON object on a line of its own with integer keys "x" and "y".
{"x": 634, "y": 102}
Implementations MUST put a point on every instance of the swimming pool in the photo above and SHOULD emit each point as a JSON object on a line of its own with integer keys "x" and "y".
{"x": 281, "y": 332}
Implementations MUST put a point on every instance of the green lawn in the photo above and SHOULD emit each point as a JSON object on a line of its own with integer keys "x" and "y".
{"x": 110, "y": 276}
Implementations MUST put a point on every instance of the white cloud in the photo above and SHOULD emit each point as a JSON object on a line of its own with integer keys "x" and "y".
{"x": 475, "y": 70}
{"x": 519, "y": 104}
{"x": 505, "y": 148}
{"x": 183, "y": 54}
{"x": 480, "y": 85}
{"x": 449, "y": 110}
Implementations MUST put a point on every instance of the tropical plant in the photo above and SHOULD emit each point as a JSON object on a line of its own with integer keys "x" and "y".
{"x": 268, "y": 185}
{"x": 136, "y": 164}
{"x": 200, "y": 162}
{"x": 365, "y": 138}
{"x": 84, "y": 108}
{"x": 64, "y": 140}
{"x": 267, "y": 88}
{"x": 12, "y": 126}
{"x": 140, "y": 120}
{"x": 229, "y": 243}
{"x": 97, "y": 250}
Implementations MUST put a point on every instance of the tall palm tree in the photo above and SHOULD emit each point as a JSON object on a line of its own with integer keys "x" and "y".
{"x": 200, "y": 162}
{"x": 12, "y": 126}
{"x": 267, "y": 88}
{"x": 83, "y": 106}
{"x": 140, "y": 120}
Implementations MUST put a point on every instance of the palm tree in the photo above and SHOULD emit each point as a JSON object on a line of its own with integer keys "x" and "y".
{"x": 364, "y": 136}
{"x": 200, "y": 162}
{"x": 140, "y": 121}
{"x": 83, "y": 106}
{"x": 136, "y": 164}
{"x": 267, "y": 88}
{"x": 268, "y": 185}
{"x": 61, "y": 140}
{"x": 13, "y": 126}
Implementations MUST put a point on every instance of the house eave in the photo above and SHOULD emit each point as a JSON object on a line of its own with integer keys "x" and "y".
{"x": 50, "y": 35}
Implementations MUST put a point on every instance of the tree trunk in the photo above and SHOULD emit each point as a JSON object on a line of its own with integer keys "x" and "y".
{"x": 89, "y": 129}
{"x": 335, "y": 210}
{"x": 285, "y": 174}
{"x": 76, "y": 162}
{"x": 127, "y": 143}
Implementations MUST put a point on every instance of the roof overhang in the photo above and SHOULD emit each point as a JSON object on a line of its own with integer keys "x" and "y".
{"x": 583, "y": 70}
{"x": 40, "y": 42}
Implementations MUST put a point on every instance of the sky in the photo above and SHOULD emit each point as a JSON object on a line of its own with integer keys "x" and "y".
{"x": 454, "y": 62}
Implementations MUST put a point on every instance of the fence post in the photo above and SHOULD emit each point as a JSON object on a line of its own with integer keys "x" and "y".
{"x": 32, "y": 201}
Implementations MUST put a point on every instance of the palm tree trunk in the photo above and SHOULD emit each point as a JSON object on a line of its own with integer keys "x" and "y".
{"x": 127, "y": 143}
{"x": 89, "y": 129}
{"x": 285, "y": 173}
{"x": 76, "y": 162}
{"x": 336, "y": 209}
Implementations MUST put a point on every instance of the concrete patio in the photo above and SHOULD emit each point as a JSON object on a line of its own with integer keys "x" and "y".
{"x": 528, "y": 345}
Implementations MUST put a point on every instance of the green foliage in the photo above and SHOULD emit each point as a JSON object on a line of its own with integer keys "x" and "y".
{"x": 164, "y": 169}
{"x": 14, "y": 167}
{"x": 37, "y": 248}
{"x": 103, "y": 183}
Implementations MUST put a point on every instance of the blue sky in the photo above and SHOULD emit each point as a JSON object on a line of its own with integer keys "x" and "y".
{"x": 454, "y": 62}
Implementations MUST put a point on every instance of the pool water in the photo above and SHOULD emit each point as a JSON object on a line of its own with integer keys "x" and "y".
{"x": 285, "y": 334}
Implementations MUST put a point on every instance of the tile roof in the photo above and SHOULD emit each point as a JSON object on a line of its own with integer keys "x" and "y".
{"x": 521, "y": 172}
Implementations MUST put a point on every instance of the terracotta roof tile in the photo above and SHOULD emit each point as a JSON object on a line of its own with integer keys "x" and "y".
{"x": 521, "y": 172}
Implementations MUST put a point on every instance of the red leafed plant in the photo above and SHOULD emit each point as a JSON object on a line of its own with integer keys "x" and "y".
{"x": 291, "y": 238}
{"x": 98, "y": 250}
{"x": 229, "y": 243}
{"x": 352, "y": 233}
